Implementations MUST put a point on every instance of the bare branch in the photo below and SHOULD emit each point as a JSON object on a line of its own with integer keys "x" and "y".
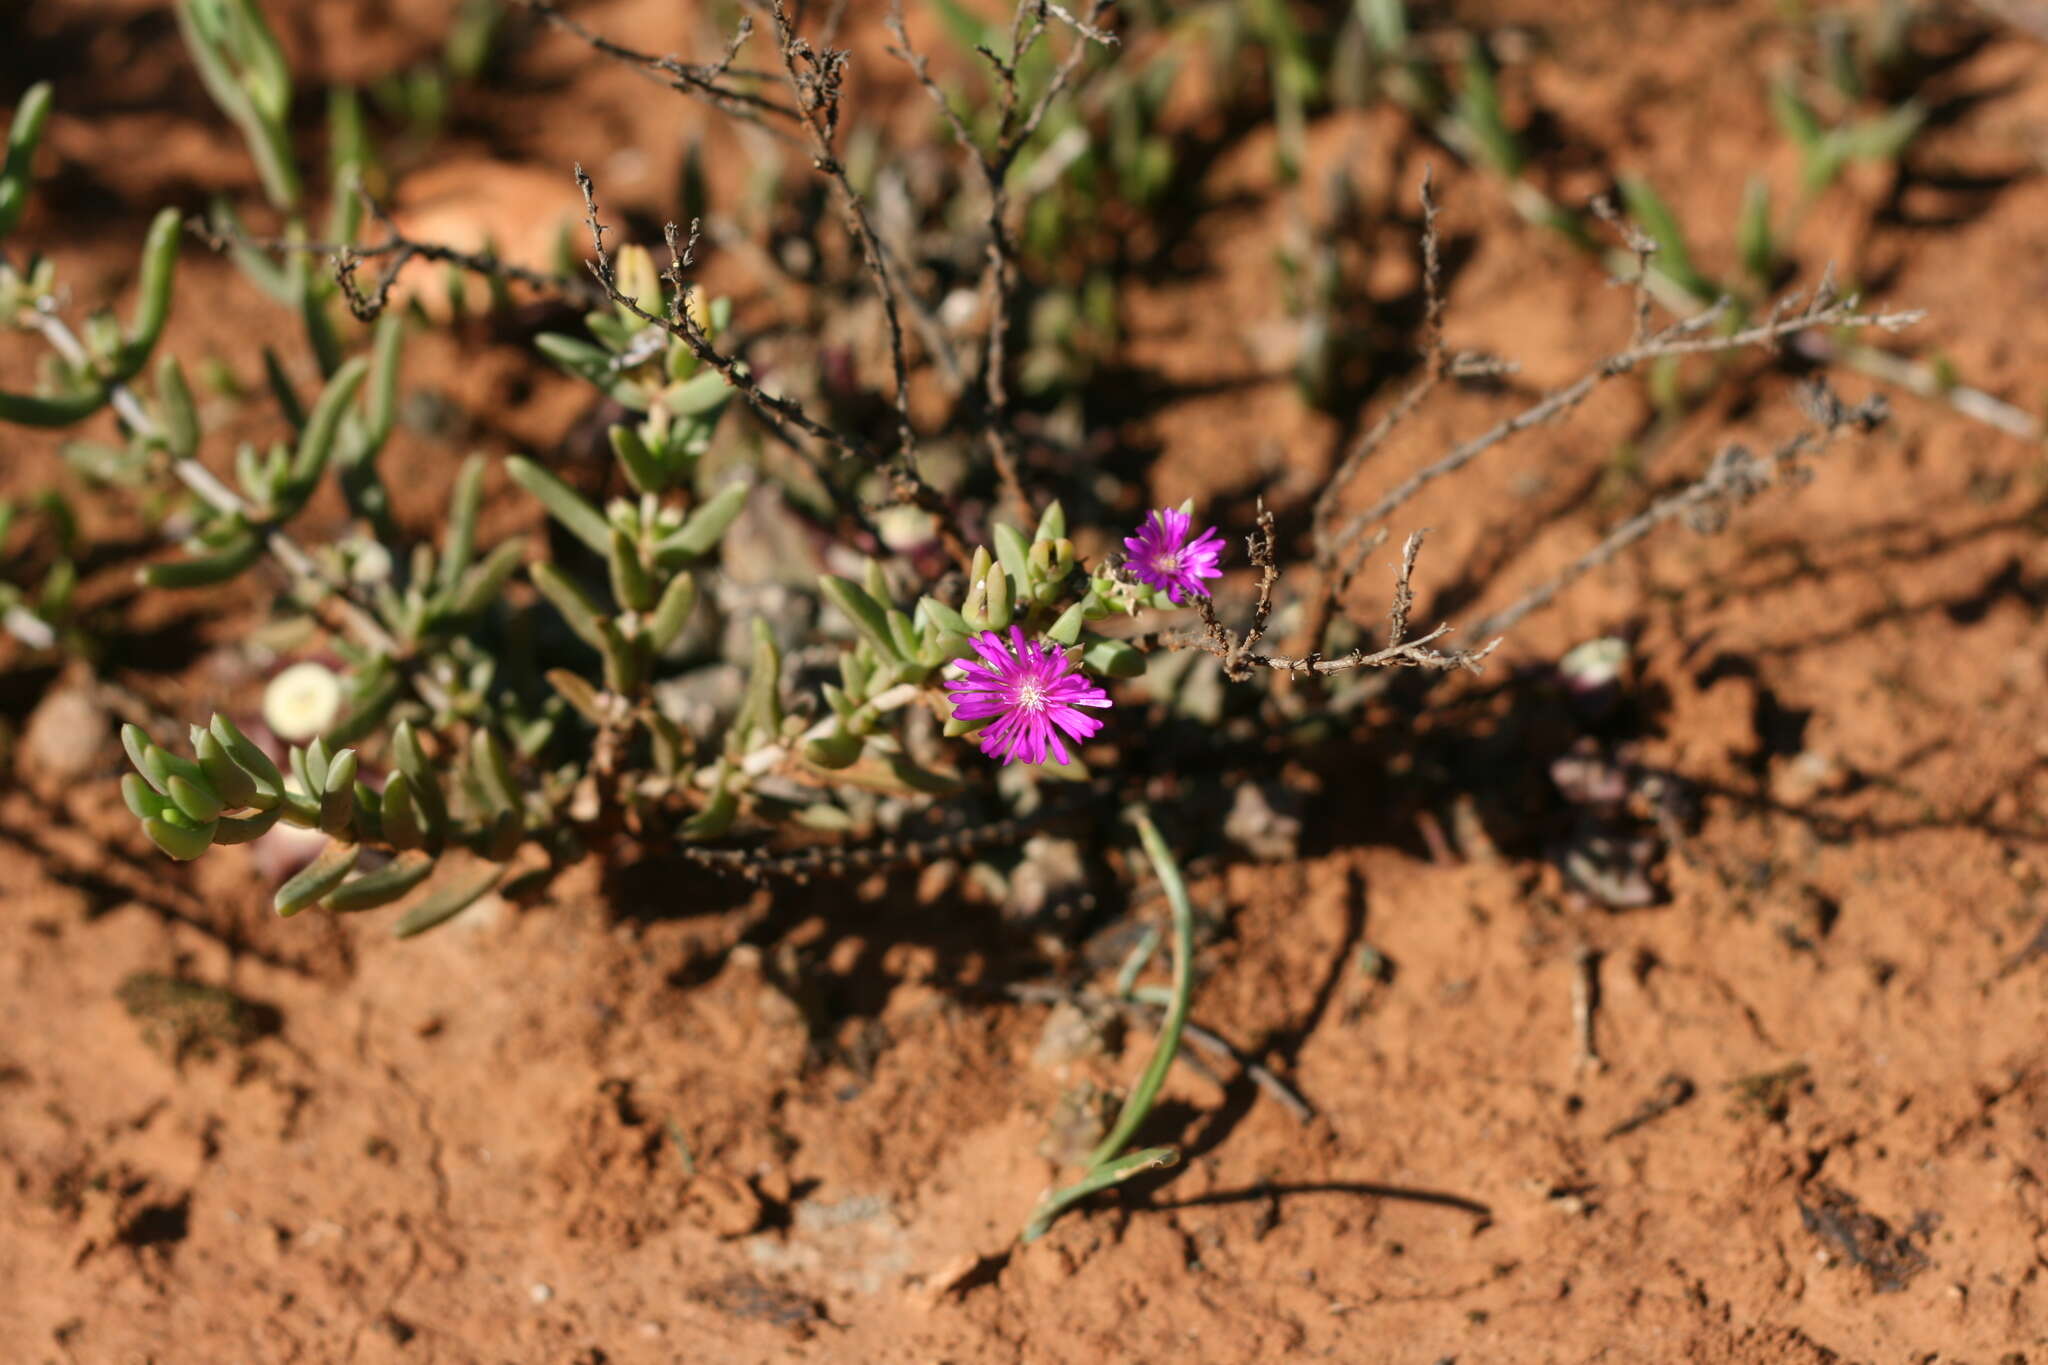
{"x": 999, "y": 275}
{"x": 1404, "y": 595}
{"x": 1240, "y": 661}
{"x": 1823, "y": 310}
{"x": 398, "y": 250}
{"x": 783, "y": 416}
{"x": 779, "y": 413}
{"x": 1064, "y": 73}
{"x": 701, "y": 82}
{"x": 815, "y": 76}
{"x": 1735, "y": 476}
{"x": 1643, "y": 247}
{"x": 1437, "y": 364}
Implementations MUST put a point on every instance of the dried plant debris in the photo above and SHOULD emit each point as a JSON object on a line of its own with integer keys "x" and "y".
{"x": 1768, "y": 1094}
{"x": 190, "y": 1019}
{"x": 750, "y": 1300}
{"x": 1673, "y": 1091}
{"x": 1864, "y": 1239}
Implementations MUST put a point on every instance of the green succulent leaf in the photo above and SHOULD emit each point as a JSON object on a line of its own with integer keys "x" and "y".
{"x": 61, "y": 411}
{"x": 836, "y": 750}
{"x": 1067, "y": 629}
{"x": 494, "y": 772}
{"x": 562, "y": 502}
{"x": 373, "y": 889}
{"x": 177, "y": 836}
{"x": 942, "y": 616}
{"x": 205, "y": 571}
{"x": 153, "y": 304}
{"x": 702, "y": 529}
{"x": 411, "y": 760}
{"x": 672, "y": 613}
{"x": 338, "y": 800}
{"x": 706, "y": 393}
{"x": 243, "y": 829}
{"x": 486, "y": 580}
{"x": 577, "y": 607}
{"x": 179, "y": 414}
{"x": 194, "y": 798}
{"x": 1112, "y": 659}
{"x": 22, "y": 136}
{"x": 593, "y": 364}
{"x": 863, "y": 611}
{"x": 251, "y": 760}
{"x": 318, "y": 879}
{"x": 399, "y": 815}
{"x": 443, "y": 905}
{"x": 643, "y": 470}
{"x": 1013, "y": 553}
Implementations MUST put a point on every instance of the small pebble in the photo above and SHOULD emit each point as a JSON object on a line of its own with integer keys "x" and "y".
{"x": 68, "y": 736}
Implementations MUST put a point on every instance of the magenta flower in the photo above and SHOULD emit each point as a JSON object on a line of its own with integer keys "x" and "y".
{"x": 1032, "y": 693}
{"x": 1163, "y": 557}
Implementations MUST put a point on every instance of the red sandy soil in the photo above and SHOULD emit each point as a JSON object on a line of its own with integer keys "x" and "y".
{"x": 613, "y": 1127}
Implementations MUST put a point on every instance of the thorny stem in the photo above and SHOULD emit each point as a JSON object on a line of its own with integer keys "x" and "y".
{"x": 699, "y": 81}
{"x": 1438, "y": 364}
{"x": 1824, "y": 309}
{"x": 816, "y": 84}
{"x": 1917, "y": 378}
{"x": 1240, "y": 661}
{"x": 1921, "y": 380}
{"x": 999, "y": 275}
{"x": 814, "y": 77}
{"x": 1104, "y": 1166}
{"x": 347, "y": 257}
{"x": 779, "y": 413}
{"x": 355, "y": 616}
{"x": 1735, "y": 476}
{"x": 839, "y": 860}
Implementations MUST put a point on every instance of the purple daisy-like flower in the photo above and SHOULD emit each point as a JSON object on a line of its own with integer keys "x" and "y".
{"x": 1163, "y": 557}
{"x": 1033, "y": 694}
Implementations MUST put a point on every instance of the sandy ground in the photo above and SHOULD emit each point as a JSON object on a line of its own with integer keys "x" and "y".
{"x": 662, "y": 1117}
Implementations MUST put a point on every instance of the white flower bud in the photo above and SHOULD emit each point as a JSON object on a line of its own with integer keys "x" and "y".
{"x": 302, "y": 702}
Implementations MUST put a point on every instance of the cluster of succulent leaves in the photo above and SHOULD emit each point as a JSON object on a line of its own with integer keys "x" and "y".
{"x": 38, "y": 576}
{"x": 468, "y": 722}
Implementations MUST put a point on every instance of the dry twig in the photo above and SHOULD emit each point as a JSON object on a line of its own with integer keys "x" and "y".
{"x": 1824, "y": 308}
{"x": 1015, "y": 126}
{"x": 815, "y": 75}
{"x": 1238, "y": 653}
{"x": 397, "y": 250}
{"x": 1340, "y": 550}
{"x": 783, "y": 416}
{"x": 1735, "y": 476}
{"x": 701, "y": 82}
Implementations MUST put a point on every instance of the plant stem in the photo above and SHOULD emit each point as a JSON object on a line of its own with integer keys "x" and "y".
{"x": 1104, "y": 1166}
